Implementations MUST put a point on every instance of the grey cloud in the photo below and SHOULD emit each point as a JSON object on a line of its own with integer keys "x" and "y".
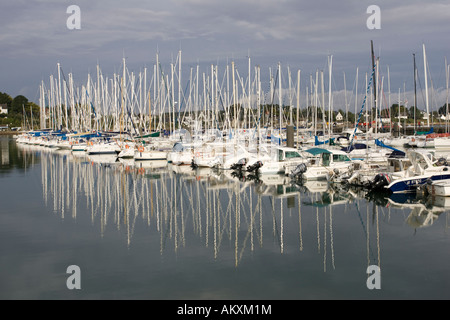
{"x": 299, "y": 33}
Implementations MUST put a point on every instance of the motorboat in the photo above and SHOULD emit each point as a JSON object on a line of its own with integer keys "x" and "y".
{"x": 323, "y": 164}
{"x": 425, "y": 168}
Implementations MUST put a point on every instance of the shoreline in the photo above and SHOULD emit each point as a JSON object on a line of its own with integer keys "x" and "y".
{"x": 10, "y": 133}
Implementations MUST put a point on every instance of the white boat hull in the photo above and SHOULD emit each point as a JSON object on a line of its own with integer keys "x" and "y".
{"x": 442, "y": 143}
{"x": 99, "y": 149}
{"x": 439, "y": 188}
{"x": 150, "y": 155}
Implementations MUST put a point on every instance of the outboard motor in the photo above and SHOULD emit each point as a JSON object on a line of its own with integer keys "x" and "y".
{"x": 255, "y": 166}
{"x": 239, "y": 165}
{"x": 298, "y": 171}
{"x": 380, "y": 181}
{"x": 193, "y": 164}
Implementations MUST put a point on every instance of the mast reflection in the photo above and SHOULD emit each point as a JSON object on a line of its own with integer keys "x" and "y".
{"x": 226, "y": 212}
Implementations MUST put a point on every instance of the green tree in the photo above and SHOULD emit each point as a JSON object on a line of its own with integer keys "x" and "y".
{"x": 16, "y": 108}
{"x": 18, "y": 103}
{"x": 397, "y": 110}
{"x": 6, "y": 99}
{"x": 443, "y": 110}
{"x": 415, "y": 113}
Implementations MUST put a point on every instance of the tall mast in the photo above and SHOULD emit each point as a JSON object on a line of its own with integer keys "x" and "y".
{"x": 356, "y": 95}
{"x": 330, "y": 117}
{"x": 376, "y": 100}
{"x": 323, "y": 103}
{"x": 234, "y": 97}
{"x": 316, "y": 101}
{"x": 123, "y": 98}
{"x": 42, "y": 110}
{"x": 59, "y": 97}
{"x": 389, "y": 100}
{"x": 415, "y": 92}
{"x": 156, "y": 91}
{"x": 298, "y": 105}
{"x": 249, "y": 90}
{"x": 345, "y": 100}
{"x": 399, "y": 110}
{"x": 258, "y": 70}
{"x": 280, "y": 98}
{"x": 290, "y": 96}
{"x": 426, "y": 84}
{"x": 376, "y": 76}
{"x": 446, "y": 104}
{"x": 179, "y": 88}
{"x": 172, "y": 101}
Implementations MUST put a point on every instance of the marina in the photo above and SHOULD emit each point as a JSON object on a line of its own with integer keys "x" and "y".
{"x": 220, "y": 158}
{"x": 156, "y": 230}
{"x": 156, "y": 191}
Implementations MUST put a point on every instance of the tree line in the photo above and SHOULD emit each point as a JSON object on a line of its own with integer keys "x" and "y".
{"x": 21, "y": 112}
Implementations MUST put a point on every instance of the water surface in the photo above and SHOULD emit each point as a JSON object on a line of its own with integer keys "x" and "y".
{"x": 150, "y": 230}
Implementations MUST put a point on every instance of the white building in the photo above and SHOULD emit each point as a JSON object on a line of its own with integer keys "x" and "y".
{"x": 3, "y": 109}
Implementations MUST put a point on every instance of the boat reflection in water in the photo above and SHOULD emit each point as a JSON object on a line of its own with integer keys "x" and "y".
{"x": 227, "y": 211}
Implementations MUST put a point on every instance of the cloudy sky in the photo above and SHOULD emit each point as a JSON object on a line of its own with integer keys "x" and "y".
{"x": 297, "y": 33}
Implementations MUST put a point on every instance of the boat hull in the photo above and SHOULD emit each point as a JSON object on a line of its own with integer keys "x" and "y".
{"x": 413, "y": 183}
{"x": 150, "y": 155}
{"x": 439, "y": 188}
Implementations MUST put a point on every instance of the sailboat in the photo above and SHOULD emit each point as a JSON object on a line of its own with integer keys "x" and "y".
{"x": 102, "y": 146}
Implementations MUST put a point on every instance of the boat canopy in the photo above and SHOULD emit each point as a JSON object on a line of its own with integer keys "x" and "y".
{"x": 380, "y": 143}
{"x": 397, "y": 154}
{"x": 150, "y": 135}
{"x": 420, "y": 133}
{"x": 355, "y": 146}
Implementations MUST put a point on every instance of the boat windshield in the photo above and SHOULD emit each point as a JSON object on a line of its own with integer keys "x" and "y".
{"x": 340, "y": 158}
{"x": 292, "y": 154}
{"x": 431, "y": 157}
{"x": 326, "y": 159}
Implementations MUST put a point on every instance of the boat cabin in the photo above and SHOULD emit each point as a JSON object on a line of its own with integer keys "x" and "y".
{"x": 286, "y": 153}
{"x": 325, "y": 157}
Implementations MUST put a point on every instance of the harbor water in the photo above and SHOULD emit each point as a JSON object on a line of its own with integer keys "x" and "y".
{"x": 151, "y": 230}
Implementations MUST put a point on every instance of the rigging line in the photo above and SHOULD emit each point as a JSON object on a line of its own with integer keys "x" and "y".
{"x": 363, "y": 105}
{"x": 179, "y": 103}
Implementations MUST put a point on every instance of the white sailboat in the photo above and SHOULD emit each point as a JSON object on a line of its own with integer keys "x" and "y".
{"x": 102, "y": 147}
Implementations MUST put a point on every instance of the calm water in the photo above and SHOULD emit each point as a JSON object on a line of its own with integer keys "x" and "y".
{"x": 153, "y": 231}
